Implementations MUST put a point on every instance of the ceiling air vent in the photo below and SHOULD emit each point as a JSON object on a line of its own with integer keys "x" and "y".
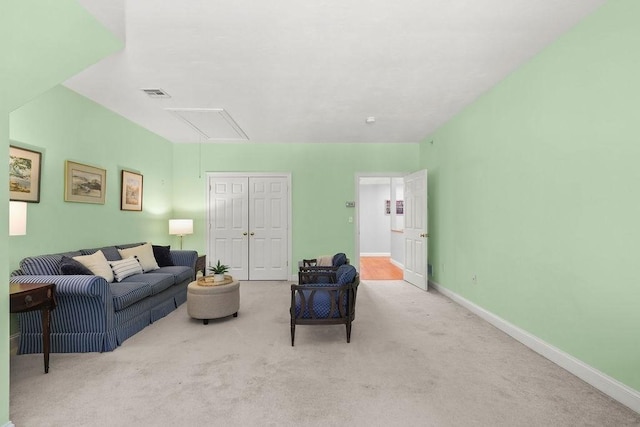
{"x": 156, "y": 93}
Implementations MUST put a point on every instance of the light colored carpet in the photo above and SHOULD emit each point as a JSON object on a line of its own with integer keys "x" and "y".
{"x": 415, "y": 359}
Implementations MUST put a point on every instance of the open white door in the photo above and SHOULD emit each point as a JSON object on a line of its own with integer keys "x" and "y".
{"x": 415, "y": 229}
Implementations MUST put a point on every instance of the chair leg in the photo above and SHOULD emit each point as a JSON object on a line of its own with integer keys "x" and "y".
{"x": 348, "y": 332}
{"x": 293, "y": 333}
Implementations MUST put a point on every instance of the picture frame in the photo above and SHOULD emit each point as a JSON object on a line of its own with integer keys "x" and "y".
{"x": 24, "y": 174}
{"x": 84, "y": 183}
{"x": 131, "y": 191}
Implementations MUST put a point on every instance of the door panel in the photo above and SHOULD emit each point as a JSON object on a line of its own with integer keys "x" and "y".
{"x": 229, "y": 216}
{"x": 268, "y": 210}
{"x": 415, "y": 229}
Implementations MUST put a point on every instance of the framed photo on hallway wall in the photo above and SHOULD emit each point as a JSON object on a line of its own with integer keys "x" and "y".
{"x": 131, "y": 191}
{"x": 24, "y": 175}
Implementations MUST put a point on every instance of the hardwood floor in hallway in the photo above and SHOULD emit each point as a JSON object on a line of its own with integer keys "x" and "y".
{"x": 379, "y": 268}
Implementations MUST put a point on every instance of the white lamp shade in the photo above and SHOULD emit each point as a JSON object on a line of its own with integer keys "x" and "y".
{"x": 17, "y": 218}
{"x": 180, "y": 226}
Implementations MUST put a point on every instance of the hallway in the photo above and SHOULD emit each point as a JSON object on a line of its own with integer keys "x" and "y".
{"x": 379, "y": 268}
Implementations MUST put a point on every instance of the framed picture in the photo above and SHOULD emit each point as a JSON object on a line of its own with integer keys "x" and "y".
{"x": 24, "y": 175}
{"x": 131, "y": 191}
{"x": 84, "y": 184}
{"x": 399, "y": 207}
{"x": 387, "y": 207}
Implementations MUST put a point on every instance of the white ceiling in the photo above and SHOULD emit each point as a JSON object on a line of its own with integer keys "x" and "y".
{"x": 314, "y": 70}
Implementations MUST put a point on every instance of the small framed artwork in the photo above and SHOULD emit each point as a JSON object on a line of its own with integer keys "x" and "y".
{"x": 24, "y": 175}
{"x": 399, "y": 207}
{"x": 131, "y": 191}
{"x": 84, "y": 184}
{"x": 387, "y": 207}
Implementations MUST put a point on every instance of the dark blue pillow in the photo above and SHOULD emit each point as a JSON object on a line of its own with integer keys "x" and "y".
{"x": 339, "y": 259}
{"x": 71, "y": 267}
{"x": 162, "y": 254}
{"x": 346, "y": 274}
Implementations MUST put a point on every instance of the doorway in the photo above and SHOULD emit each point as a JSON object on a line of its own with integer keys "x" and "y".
{"x": 392, "y": 221}
{"x": 248, "y": 217}
{"x": 380, "y": 224}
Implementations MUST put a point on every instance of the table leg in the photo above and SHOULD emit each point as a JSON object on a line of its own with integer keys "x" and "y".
{"x": 46, "y": 317}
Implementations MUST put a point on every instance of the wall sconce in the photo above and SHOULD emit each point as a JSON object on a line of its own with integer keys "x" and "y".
{"x": 180, "y": 227}
{"x": 17, "y": 218}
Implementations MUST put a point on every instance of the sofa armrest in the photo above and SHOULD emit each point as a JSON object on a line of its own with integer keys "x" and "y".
{"x": 84, "y": 286}
{"x": 184, "y": 257}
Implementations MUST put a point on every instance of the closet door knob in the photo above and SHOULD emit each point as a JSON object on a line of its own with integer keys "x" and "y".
{"x": 252, "y": 233}
{"x": 244, "y": 234}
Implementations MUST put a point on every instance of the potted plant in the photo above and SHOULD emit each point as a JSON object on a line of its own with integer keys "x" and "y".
{"x": 218, "y": 271}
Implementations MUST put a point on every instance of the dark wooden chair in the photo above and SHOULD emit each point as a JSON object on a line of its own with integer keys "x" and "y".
{"x": 324, "y": 297}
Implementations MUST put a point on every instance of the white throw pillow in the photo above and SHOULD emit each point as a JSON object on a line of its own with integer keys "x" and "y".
{"x": 144, "y": 253}
{"x": 125, "y": 268}
{"x": 97, "y": 263}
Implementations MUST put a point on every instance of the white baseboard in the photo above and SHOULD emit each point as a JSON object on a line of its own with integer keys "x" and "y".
{"x": 9, "y": 424}
{"x": 375, "y": 254}
{"x": 609, "y": 386}
{"x": 397, "y": 264}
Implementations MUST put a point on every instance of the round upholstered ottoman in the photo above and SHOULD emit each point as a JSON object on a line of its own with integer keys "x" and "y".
{"x": 211, "y": 301}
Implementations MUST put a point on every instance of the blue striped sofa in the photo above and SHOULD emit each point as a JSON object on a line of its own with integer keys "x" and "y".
{"x": 94, "y": 315}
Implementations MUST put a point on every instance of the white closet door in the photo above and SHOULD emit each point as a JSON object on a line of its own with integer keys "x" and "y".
{"x": 415, "y": 229}
{"x": 229, "y": 224}
{"x": 249, "y": 225}
{"x": 268, "y": 228}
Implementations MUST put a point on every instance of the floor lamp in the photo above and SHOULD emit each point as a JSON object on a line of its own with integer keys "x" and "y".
{"x": 180, "y": 227}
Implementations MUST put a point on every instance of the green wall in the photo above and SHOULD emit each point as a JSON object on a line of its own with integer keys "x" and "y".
{"x": 536, "y": 189}
{"x": 322, "y": 175}
{"x": 41, "y": 44}
{"x": 66, "y": 126}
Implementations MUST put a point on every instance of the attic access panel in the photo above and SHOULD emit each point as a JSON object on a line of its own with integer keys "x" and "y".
{"x": 212, "y": 123}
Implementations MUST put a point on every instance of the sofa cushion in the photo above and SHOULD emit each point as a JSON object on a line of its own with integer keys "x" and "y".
{"x": 162, "y": 254}
{"x": 157, "y": 281}
{"x": 126, "y": 294}
{"x": 180, "y": 272}
{"x": 98, "y": 264}
{"x": 144, "y": 254}
{"x": 110, "y": 252}
{"x": 70, "y": 267}
{"x": 125, "y": 268}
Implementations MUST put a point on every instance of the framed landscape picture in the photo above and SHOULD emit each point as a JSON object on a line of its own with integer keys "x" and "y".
{"x": 84, "y": 184}
{"x": 24, "y": 175}
{"x": 131, "y": 191}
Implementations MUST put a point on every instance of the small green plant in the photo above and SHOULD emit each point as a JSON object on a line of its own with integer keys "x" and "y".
{"x": 219, "y": 268}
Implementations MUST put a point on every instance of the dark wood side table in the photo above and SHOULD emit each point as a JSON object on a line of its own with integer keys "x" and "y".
{"x": 36, "y": 296}
{"x": 201, "y": 264}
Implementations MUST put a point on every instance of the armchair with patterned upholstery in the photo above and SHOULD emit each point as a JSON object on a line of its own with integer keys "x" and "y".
{"x": 324, "y": 297}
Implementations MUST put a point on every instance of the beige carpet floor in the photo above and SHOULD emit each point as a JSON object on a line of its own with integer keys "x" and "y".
{"x": 415, "y": 359}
